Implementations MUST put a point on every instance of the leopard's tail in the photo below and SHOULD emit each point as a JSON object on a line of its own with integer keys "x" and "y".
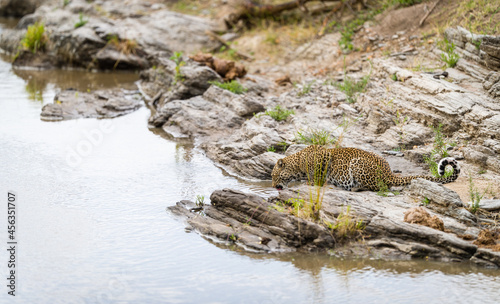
{"x": 448, "y": 161}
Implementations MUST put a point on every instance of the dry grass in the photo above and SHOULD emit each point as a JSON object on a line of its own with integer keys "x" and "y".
{"x": 480, "y": 16}
{"x": 125, "y": 46}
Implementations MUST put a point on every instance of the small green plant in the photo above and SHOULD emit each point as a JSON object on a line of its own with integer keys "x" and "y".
{"x": 346, "y": 226}
{"x": 305, "y": 89}
{"x": 271, "y": 149}
{"x": 345, "y": 40}
{"x": 388, "y": 3}
{"x": 477, "y": 43}
{"x": 200, "y": 200}
{"x": 125, "y": 46}
{"x": 482, "y": 171}
{"x": 439, "y": 151}
{"x": 232, "y": 86}
{"x": 400, "y": 122}
{"x": 449, "y": 56}
{"x": 426, "y": 201}
{"x": 81, "y": 21}
{"x": 228, "y": 53}
{"x": 351, "y": 87}
{"x": 66, "y": 2}
{"x": 475, "y": 196}
{"x": 279, "y": 206}
{"x": 233, "y": 237}
{"x": 297, "y": 207}
{"x": 284, "y": 145}
{"x": 314, "y": 137}
{"x": 317, "y": 178}
{"x": 394, "y": 77}
{"x": 347, "y": 31}
{"x": 278, "y": 113}
{"x": 177, "y": 58}
{"x": 35, "y": 38}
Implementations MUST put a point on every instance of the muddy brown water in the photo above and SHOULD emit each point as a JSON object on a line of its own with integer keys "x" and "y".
{"x": 92, "y": 225}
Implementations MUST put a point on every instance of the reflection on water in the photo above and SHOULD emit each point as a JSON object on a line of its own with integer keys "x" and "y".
{"x": 37, "y": 81}
{"x": 98, "y": 232}
{"x": 35, "y": 89}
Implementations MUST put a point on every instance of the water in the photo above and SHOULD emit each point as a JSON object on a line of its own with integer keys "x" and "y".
{"x": 92, "y": 225}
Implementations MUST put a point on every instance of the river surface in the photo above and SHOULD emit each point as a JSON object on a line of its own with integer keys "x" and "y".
{"x": 92, "y": 225}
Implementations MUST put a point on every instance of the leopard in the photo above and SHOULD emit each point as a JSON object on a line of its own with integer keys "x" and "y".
{"x": 351, "y": 169}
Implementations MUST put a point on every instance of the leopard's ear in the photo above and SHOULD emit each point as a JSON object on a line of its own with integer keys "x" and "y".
{"x": 280, "y": 163}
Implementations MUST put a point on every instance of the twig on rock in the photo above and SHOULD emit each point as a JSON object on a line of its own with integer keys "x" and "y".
{"x": 428, "y": 13}
{"x": 228, "y": 46}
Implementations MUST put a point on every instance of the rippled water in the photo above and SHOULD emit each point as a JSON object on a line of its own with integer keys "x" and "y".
{"x": 93, "y": 227}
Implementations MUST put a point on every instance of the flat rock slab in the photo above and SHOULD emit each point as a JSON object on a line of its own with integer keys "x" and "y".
{"x": 71, "y": 104}
{"x": 489, "y": 204}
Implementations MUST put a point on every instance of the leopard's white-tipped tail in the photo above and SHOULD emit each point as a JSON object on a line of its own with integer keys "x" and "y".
{"x": 448, "y": 161}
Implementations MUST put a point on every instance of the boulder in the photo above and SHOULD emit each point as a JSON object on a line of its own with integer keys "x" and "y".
{"x": 71, "y": 104}
{"x": 441, "y": 199}
{"x": 489, "y": 204}
{"x": 251, "y": 222}
{"x": 19, "y": 8}
{"x": 436, "y": 193}
{"x": 195, "y": 80}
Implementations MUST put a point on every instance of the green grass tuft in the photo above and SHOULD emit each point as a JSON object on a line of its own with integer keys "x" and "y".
{"x": 81, "y": 22}
{"x": 314, "y": 137}
{"x": 278, "y": 113}
{"x": 351, "y": 87}
{"x": 439, "y": 151}
{"x": 450, "y": 57}
{"x": 35, "y": 38}
{"x": 232, "y": 86}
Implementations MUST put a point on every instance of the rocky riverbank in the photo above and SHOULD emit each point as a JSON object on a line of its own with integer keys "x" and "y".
{"x": 389, "y": 228}
{"x": 397, "y": 112}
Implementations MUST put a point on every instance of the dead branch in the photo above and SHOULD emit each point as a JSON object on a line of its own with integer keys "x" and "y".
{"x": 428, "y": 13}
{"x": 228, "y": 46}
{"x": 250, "y": 9}
{"x": 327, "y": 18}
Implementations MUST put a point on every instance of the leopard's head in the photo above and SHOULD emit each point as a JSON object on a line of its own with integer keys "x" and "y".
{"x": 282, "y": 174}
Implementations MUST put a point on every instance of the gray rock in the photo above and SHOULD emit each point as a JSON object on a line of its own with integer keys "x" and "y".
{"x": 492, "y": 84}
{"x": 252, "y": 223}
{"x": 436, "y": 193}
{"x": 412, "y": 134}
{"x": 242, "y": 105}
{"x": 111, "y": 58}
{"x": 489, "y": 204}
{"x": 491, "y": 46}
{"x": 442, "y": 200}
{"x": 79, "y": 46}
{"x": 19, "y": 8}
{"x": 245, "y": 151}
{"x": 28, "y": 20}
{"x": 10, "y": 40}
{"x": 198, "y": 116}
{"x": 71, "y": 104}
{"x": 216, "y": 110}
{"x": 194, "y": 83}
{"x": 294, "y": 149}
{"x": 259, "y": 166}
{"x": 492, "y": 257}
